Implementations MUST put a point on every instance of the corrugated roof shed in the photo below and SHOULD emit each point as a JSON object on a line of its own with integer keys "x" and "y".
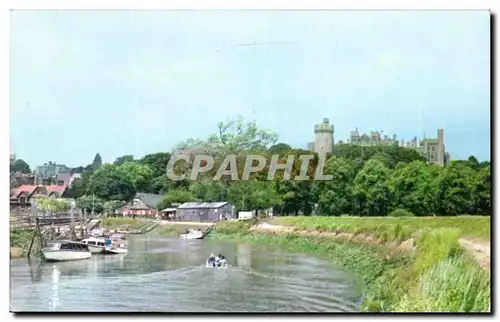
{"x": 202, "y": 205}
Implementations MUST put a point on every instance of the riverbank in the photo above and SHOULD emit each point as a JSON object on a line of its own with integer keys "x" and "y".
{"x": 407, "y": 264}
{"x": 20, "y": 240}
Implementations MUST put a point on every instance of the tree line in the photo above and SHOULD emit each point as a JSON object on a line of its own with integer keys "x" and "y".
{"x": 367, "y": 181}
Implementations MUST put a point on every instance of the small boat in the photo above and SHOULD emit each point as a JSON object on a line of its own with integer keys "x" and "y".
{"x": 97, "y": 245}
{"x": 57, "y": 251}
{"x": 193, "y": 234}
{"x": 221, "y": 263}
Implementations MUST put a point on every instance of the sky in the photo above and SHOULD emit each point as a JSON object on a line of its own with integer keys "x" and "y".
{"x": 139, "y": 82}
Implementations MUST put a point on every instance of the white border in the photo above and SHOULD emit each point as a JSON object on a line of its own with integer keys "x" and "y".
{"x": 186, "y": 4}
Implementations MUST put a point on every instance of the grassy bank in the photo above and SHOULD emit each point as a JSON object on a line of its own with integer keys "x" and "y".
{"x": 19, "y": 242}
{"x": 390, "y": 228}
{"x": 436, "y": 277}
{"x": 124, "y": 223}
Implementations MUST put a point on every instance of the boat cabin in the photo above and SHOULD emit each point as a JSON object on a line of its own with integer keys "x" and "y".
{"x": 67, "y": 246}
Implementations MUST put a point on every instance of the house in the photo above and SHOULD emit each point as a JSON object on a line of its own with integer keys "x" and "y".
{"x": 56, "y": 191}
{"x": 21, "y": 197}
{"x": 205, "y": 211}
{"x": 143, "y": 204}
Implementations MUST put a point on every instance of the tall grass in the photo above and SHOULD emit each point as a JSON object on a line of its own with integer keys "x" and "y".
{"x": 437, "y": 277}
{"x": 469, "y": 226}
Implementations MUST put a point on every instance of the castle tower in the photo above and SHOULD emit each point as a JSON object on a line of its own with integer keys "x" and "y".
{"x": 440, "y": 147}
{"x": 323, "y": 142}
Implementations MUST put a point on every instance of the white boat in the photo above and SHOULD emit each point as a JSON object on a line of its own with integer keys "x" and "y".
{"x": 66, "y": 251}
{"x": 192, "y": 234}
{"x": 96, "y": 245}
{"x": 116, "y": 250}
{"x": 217, "y": 264}
{"x": 100, "y": 245}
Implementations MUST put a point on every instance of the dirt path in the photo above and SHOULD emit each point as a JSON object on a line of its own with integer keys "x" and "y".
{"x": 479, "y": 249}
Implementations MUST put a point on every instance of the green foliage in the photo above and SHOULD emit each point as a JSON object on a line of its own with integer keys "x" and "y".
{"x": 140, "y": 175}
{"x": 370, "y": 189}
{"x": 176, "y": 196}
{"x": 400, "y": 213}
{"x": 469, "y": 226}
{"x": 157, "y": 162}
{"x": 109, "y": 207}
{"x": 335, "y": 196}
{"x": 455, "y": 187}
{"x": 367, "y": 181}
{"x": 412, "y": 186}
{"x": 20, "y": 166}
{"x": 124, "y": 159}
{"x": 111, "y": 182}
{"x": 437, "y": 279}
{"x": 52, "y": 205}
{"x": 87, "y": 203}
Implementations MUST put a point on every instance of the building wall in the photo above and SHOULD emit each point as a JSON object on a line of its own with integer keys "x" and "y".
{"x": 205, "y": 214}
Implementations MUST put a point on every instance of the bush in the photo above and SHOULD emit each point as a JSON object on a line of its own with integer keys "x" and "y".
{"x": 401, "y": 213}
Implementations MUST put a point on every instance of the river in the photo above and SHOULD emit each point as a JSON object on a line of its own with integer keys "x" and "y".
{"x": 162, "y": 274}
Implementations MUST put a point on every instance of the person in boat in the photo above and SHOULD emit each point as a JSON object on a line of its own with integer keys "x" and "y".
{"x": 222, "y": 260}
{"x": 211, "y": 260}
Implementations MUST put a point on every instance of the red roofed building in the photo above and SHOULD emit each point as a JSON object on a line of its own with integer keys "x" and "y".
{"x": 22, "y": 196}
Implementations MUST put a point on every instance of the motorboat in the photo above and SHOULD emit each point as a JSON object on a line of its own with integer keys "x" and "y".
{"x": 192, "y": 233}
{"x": 115, "y": 244}
{"x": 97, "y": 245}
{"x": 56, "y": 251}
{"x": 216, "y": 263}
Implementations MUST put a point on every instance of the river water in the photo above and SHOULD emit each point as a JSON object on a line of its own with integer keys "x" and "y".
{"x": 161, "y": 274}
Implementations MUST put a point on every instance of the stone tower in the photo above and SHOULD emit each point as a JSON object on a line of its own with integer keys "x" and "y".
{"x": 323, "y": 142}
{"x": 440, "y": 147}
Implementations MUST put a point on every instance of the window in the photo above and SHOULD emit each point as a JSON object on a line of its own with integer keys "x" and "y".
{"x": 433, "y": 148}
{"x": 90, "y": 242}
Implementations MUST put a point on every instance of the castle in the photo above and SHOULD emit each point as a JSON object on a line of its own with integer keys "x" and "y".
{"x": 323, "y": 142}
{"x": 432, "y": 149}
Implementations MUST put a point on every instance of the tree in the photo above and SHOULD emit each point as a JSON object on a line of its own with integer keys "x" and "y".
{"x": 52, "y": 205}
{"x": 124, "y": 159}
{"x": 89, "y": 203}
{"x": 412, "y": 187}
{"x": 109, "y": 207}
{"x": 157, "y": 162}
{"x": 176, "y": 196}
{"x": 481, "y": 192}
{"x": 455, "y": 186}
{"x": 111, "y": 182}
{"x": 370, "y": 189}
{"x": 139, "y": 174}
{"x": 208, "y": 190}
{"x": 253, "y": 195}
{"x": 96, "y": 164}
{"x": 20, "y": 166}
{"x": 335, "y": 196}
{"x": 232, "y": 137}
{"x": 280, "y": 149}
{"x": 79, "y": 187}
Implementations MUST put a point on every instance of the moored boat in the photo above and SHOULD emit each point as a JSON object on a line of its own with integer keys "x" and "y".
{"x": 66, "y": 251}
{"x": 193, "y": 234}
{"x": 96, "y": 245}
